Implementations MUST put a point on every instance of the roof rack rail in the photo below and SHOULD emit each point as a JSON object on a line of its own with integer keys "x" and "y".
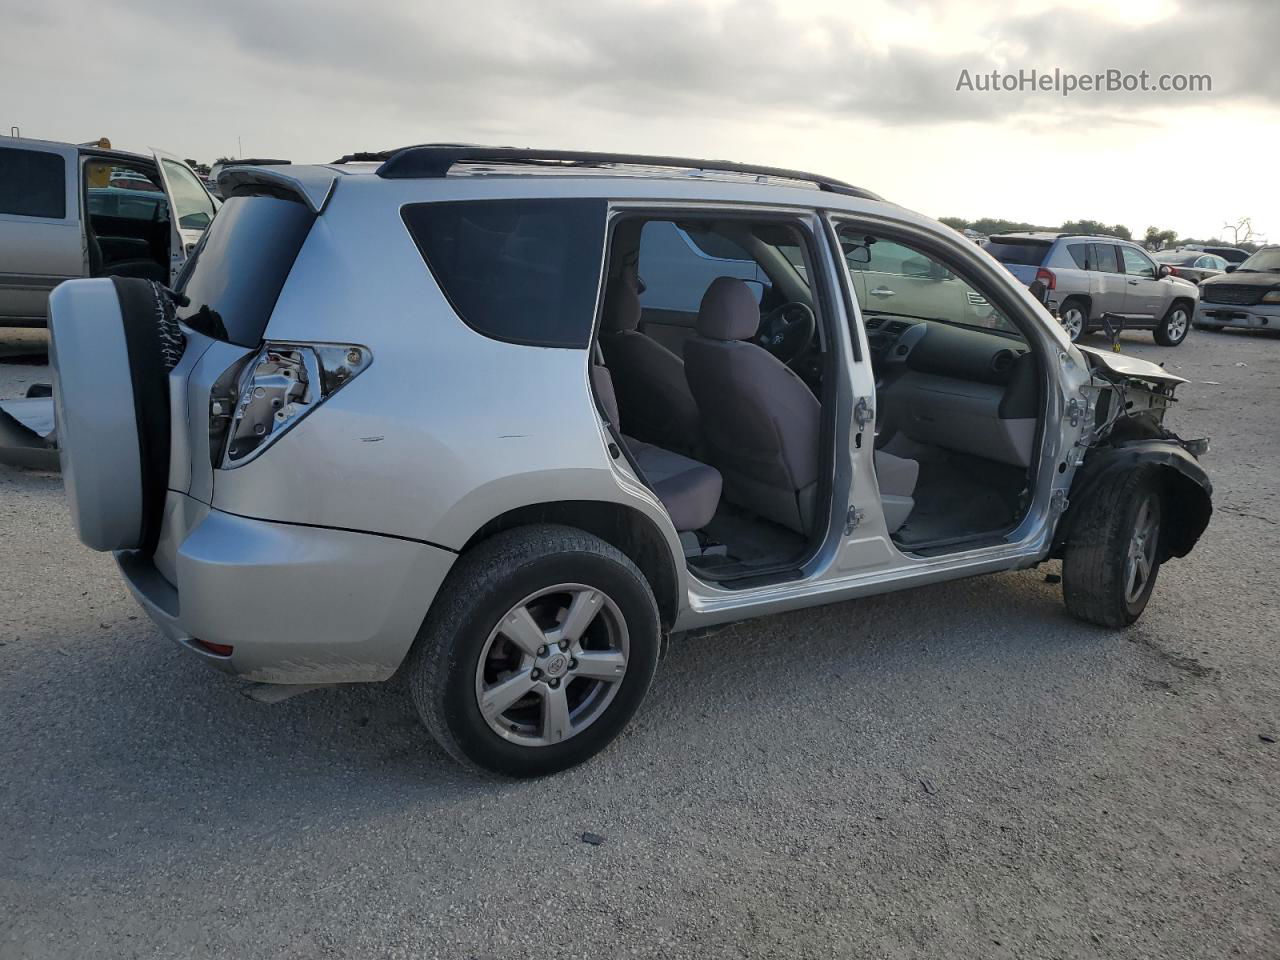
{"x": 432, "y": 160}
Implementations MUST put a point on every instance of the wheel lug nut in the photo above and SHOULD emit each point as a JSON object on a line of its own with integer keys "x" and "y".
{"x": 535, "y": 673}
{"x": 573, "y": 664}
{"x": 564, "y": 644}
{"x": 542, "y": 650}
{"x": 554, "y": 682}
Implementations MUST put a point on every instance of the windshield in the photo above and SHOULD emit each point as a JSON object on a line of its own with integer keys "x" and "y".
{"x": 1264, "y": 261}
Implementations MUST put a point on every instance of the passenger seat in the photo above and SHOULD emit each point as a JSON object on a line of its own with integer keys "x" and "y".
{"x": 689, "y": 490}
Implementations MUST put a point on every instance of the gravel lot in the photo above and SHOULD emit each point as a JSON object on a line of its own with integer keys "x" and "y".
{"x": 961, "y": 771}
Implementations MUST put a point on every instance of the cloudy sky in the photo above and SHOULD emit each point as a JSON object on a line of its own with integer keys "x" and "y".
{"x": 864, "y": 90}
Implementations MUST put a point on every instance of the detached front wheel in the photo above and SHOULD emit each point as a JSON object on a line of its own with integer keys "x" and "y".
{"x": 540, "y": 648}
{"x": 1113, "y": 552}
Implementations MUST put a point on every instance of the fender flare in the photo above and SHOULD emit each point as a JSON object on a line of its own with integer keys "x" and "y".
{"x": 1188, "y": 490}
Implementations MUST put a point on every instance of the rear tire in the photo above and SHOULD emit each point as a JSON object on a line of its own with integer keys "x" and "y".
{"x": 1113, "y": 551}
{"x": 487, "y": 629}
{"x": 1074, "y": 317}
{"x": 1172, "y": 330}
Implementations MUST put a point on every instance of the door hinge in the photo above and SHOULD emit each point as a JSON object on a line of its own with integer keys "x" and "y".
{"x": 863, "y": 413}
{"x": 1073, "y": 412}
{"x": 852, "y": 519}
{"x": 1058, "y": 502}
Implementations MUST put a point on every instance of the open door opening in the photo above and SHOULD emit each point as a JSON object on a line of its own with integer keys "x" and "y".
{"x": 959, "y": 392}
{"x": 713, "y": 352}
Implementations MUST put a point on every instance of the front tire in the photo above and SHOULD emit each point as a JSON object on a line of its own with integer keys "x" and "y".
{"x": 1113, "y": 552}
{"x": 1172, "y": 330}
{"x": 541, "y": 646}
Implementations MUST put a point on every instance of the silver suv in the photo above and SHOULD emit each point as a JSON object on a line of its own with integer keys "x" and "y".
{"x": 1086, "y": 278}
{"x": 428, "y": 412}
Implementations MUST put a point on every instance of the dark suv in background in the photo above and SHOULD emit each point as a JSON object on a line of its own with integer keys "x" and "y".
{"x": 1086, "y": 277}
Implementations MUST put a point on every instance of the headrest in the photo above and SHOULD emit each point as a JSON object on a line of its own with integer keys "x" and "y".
{"x": 621, "y": 306}
{"x": 728, "y": 311}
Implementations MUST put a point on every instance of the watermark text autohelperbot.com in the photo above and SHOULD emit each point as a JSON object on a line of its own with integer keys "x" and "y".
{"x": 1066, "y": 83}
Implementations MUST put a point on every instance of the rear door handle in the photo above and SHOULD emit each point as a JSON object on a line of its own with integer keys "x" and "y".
{"x": 882, "y": 292}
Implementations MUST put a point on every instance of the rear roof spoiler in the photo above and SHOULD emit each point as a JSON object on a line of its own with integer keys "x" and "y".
{"x": 310, "y": 185}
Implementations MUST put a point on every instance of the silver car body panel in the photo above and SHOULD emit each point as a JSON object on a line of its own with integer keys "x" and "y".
{"x": 352, "y": 520}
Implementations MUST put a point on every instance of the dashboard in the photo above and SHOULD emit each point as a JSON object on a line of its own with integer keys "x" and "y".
{"x": 955, "y": 387}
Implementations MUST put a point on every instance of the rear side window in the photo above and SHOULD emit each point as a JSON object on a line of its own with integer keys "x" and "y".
{"x": 33, "y": 184}
{"x": 235, "y": 275}
{"x": 1027, "y": 253}
{"x": 1080, "y": 254}
{"x": 1105, "y": 258}
{"x": 522, "y": 271}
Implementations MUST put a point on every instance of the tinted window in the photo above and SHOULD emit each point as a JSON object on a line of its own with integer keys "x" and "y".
{"x": 1027, "y": 252}
{"x": 1137, "y": 265}
{"x": 33, "y": 184}
{"x": 235, "y": 275}
{"x": 1080, "y": 254}
{"x": 524, "y": 271}
{"x": 1105, "y": 259}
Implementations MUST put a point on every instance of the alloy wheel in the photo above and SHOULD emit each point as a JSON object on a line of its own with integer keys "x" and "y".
{"x": 1072, "y": 320}
{"x": 1140, "y": 558}
{"x": 1176, "y": 326}
{"x": 552, "y": 665}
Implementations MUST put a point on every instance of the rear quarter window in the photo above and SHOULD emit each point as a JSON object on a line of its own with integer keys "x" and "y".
{"x": 521, "y": 271}
{"x": 1080, "y": 254}
{"x": 1009, "y": 251}
{"x": 234, "y": 278}
{"x": 33, "y": 184}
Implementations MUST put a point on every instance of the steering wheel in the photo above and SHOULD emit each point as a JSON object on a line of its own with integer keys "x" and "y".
{"x": 787, "y": 331}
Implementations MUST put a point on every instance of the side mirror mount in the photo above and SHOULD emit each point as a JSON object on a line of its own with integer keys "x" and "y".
{"x": 1164, "y": 270}
{"x": 1232, "y": 267}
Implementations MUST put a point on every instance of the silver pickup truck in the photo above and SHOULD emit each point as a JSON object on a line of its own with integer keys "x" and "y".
{"x": 70, "y": 210}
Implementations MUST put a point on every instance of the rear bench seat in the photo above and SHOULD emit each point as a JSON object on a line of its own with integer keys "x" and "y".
{"x": 689, "y": 490}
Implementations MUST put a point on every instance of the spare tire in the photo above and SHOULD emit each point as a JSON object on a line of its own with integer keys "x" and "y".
{"x": 112, "y": 344}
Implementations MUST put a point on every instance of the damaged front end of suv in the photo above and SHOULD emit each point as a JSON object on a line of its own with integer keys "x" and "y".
{"x": 1125, "y": 454}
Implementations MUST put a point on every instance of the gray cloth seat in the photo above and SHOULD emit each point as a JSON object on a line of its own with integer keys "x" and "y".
{"x": 689, "y": 490}
{"x": 760, "y": 422}
{"x": 653, "y": 393}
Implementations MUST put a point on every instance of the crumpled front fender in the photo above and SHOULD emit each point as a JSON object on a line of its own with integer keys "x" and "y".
{"x": 1188, "y": 489}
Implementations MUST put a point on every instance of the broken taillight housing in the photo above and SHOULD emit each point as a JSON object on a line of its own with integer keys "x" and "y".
{"x": 275, "y": 389}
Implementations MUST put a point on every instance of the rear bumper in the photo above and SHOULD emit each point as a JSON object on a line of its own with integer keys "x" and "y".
{"x": 1226, "y": 315}
{"x": 298, "y": 604}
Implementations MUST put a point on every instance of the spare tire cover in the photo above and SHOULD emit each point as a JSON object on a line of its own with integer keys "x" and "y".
{"x": 112, "y": 344}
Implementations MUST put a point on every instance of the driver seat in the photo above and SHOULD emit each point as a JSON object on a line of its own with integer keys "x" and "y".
{"x": 761, "y": 424}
